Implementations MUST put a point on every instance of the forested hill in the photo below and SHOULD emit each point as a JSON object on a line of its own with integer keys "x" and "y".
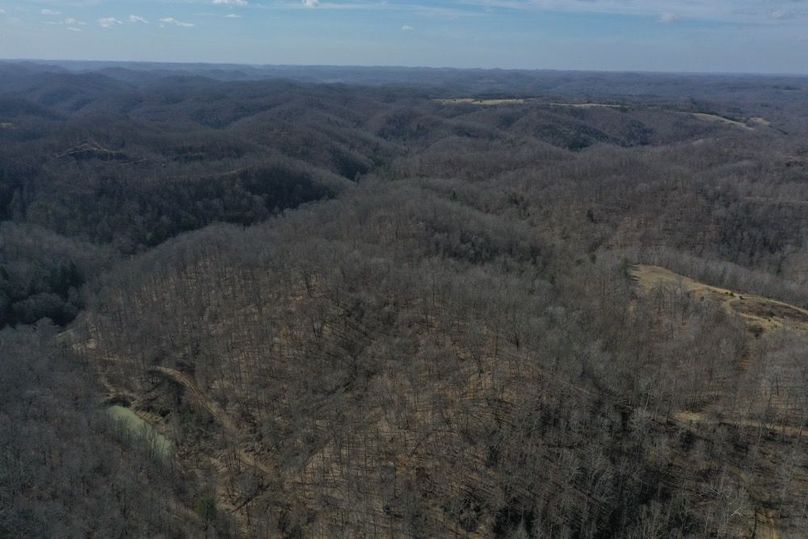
{"x": 478, "y": 82}
{"x": 302, "y": 302}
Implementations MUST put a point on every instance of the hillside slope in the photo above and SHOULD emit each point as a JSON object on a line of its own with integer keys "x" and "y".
{"x": 523, "y": 306}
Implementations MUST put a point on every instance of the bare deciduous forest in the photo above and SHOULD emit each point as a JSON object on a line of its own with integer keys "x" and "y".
{"x": 337, "y": 302}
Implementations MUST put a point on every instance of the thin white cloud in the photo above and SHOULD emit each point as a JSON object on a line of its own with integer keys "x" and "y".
{"x": 460, "y": 8}
{"x": 166, "y": 21}
{"x": 135, "y": 19}
{"x": 69, "y": 21}
{"x": 50, "y": 13}
{"x": 730, "y": 11}
{"x": 669, "y": 18}
{"x": 240, "y": 3}
{"x": 407, "y": 28}
{"x": 109, "y": 22}
{"x": 74, "y": 29}
{"x": 232, "y": 16}
{"x": 2, "y": 11}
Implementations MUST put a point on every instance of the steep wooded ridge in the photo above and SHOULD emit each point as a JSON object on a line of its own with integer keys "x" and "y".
{"x": 401, "y": 303}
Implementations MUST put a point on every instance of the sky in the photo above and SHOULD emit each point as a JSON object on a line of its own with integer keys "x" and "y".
{"x": 728, "y": 36}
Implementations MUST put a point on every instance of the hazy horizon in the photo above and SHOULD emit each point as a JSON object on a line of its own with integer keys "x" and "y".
{"x": 152, "y": 64}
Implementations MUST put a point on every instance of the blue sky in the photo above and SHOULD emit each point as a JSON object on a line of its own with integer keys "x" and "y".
{"x": 751, "y": 36}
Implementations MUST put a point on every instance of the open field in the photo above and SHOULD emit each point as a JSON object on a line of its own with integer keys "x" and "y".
{"x": 588, "y": 105}
{"x": 481, "y": 102}
{"x": 757, "y": 311}
{"x": 714, "y": 118}
{"x": 142, "y": 429}
{"x": 522, "y": 101}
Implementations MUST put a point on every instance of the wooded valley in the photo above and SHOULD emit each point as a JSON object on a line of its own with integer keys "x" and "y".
{"x": 337, "y": 302}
